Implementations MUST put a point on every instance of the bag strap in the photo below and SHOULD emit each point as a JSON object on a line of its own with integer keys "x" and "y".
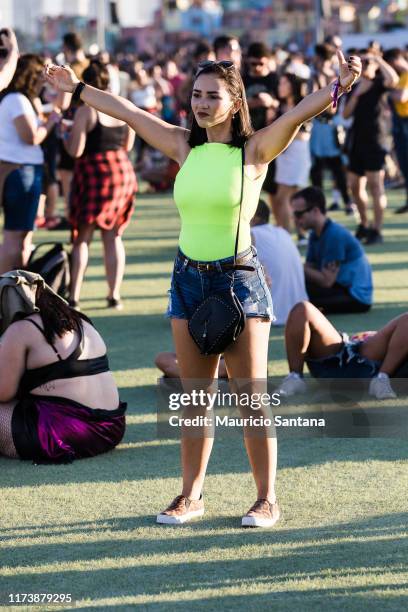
{"x": 240, "y": 202}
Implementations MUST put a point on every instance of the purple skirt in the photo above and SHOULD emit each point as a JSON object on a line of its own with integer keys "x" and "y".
{"x": 58, "y": 430}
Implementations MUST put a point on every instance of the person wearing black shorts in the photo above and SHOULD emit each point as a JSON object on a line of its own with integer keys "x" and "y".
{"x": 366, "y": 147}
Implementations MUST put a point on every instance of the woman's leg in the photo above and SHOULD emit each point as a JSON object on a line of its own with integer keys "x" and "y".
{"x": 389, "y": 345}
{"x": 339, "y": 175}
{"x": 7, "y": 447}
{"x": 375, "y": 184}
{"x": 281, "y": 206}
{"x": 66, "y": 180}
{"x": 196, "y": 370}
{"x": 115, "y": 258}
{"x": 79, "y": 260}
{"x": 247, "y": 359}
{"x": 358, "y": 189}
{"x": 168, "y": 364}
{"x": 316, "y": 172}
{"x": 52, "y": 198}
{"x": 15, "y": 250}
{"x": 309, "y": 334}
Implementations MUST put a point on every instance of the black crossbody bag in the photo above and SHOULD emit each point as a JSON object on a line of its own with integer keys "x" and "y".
{"x": 219, "y": 319}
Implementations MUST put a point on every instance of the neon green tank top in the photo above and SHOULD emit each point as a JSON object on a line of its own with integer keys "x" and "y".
{"x": 207, "y": 192}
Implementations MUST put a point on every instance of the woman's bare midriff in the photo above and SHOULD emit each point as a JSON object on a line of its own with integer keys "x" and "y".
{"x": 98, "y": 391}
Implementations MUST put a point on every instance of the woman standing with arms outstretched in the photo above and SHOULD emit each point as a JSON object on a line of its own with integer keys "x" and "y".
{"x": 207, "y": 194}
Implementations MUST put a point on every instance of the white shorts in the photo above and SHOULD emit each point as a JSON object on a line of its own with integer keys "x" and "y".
{"x": 293, "y": 165}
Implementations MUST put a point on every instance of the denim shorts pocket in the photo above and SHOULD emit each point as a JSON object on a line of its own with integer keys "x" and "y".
{"x": 244, "y": 276}
{"x": 178, "y": 266}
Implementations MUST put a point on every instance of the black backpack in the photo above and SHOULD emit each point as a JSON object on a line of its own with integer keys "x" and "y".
{"x": 53, "y": 266}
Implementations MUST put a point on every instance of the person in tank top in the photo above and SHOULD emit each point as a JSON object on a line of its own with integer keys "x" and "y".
{"x": 102, "y": 191}
{"x": 207, "y": 193}
{"x": 58, "y": 398}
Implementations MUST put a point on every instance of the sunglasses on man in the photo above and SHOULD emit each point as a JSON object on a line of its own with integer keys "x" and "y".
{"x": 298, "y": 214}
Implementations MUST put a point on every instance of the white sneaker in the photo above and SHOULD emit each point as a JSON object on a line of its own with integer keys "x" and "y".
{"x": 262, "y": 514}
{"x": 181, "y": 510}
{"x": 292, "y": 384}
{"x": 380, "y": 387}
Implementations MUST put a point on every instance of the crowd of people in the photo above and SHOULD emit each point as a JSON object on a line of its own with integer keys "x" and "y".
{"x": 250, "y": 119}
{"x": 50, "y": 144}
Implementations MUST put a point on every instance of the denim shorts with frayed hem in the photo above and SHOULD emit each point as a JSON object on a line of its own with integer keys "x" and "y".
{"x": 346, "y": 363}
{"x": 196, "y": 285}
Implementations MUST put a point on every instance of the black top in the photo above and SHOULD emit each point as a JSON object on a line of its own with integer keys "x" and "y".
{"x": 103, "y": 138}
{"x": 369, "y": 117}
{"x": 71, "y": 367}
{"x": 254, "y": 85}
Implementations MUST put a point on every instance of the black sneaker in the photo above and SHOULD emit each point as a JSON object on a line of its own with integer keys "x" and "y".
{"x": 361, "y": 232}
{"x": 112, "y": 303}
{"x": 334, "y": 206}
{"x": 373, "y": 236}
{"x": 401, "y": 210}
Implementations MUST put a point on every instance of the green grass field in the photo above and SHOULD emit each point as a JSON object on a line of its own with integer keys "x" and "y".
{"x": 88, "y": 528}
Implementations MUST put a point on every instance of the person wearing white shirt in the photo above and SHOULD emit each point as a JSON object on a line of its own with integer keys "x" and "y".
{"x": 21, "y": 160}
{"x": 282, "y": 263}
{"x": 8, "y": 56}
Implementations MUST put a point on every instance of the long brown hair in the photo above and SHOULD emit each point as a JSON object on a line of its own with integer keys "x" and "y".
{"x": 97, "y": 75}
{"x": 57, "y": 317}
{"x": 241, "y": 124}
{"x": 25, "y": 79}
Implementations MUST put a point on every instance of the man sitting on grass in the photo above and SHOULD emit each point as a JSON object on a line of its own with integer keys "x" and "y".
{"x": 337, "y": 271}
{"x": 310, "y": 338}
{"x": 281, "y": 261}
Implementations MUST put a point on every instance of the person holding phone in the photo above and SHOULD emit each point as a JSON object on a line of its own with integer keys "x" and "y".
{"x": 220, "y": 156}
{"x": 8, "y": 56}
{"x": 337, "y": 271}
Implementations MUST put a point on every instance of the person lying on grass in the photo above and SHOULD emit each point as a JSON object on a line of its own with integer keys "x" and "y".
{"x": 310, "y": 338}
{"x": 58, "y": 399}
{"x": 168, "y": 364}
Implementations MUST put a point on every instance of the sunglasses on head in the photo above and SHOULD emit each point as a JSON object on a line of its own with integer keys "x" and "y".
{"x": 299, "y": 213}
{"x": 222, "y": 63}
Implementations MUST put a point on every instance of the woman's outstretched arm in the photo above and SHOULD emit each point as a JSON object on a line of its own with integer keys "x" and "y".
{"x": 169, "y": 139}
{"x": 272, "y": 140}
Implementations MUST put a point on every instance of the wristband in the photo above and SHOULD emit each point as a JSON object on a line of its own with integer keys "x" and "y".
{"x": 334, "y": 92}
{"x": 77, "y": 92}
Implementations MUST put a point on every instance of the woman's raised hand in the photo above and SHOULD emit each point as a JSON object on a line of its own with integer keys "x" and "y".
{"x": 349, "y": 70}
{"x": 61, "y": 77}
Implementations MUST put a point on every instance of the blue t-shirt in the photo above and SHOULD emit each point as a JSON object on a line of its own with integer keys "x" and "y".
{"x": 337, "y": 244}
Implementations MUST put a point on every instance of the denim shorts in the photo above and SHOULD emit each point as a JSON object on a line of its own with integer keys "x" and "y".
{"x": 346, "y": 363}
{"x": 21, "y": 195}
{"x": 196, "y": 285}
